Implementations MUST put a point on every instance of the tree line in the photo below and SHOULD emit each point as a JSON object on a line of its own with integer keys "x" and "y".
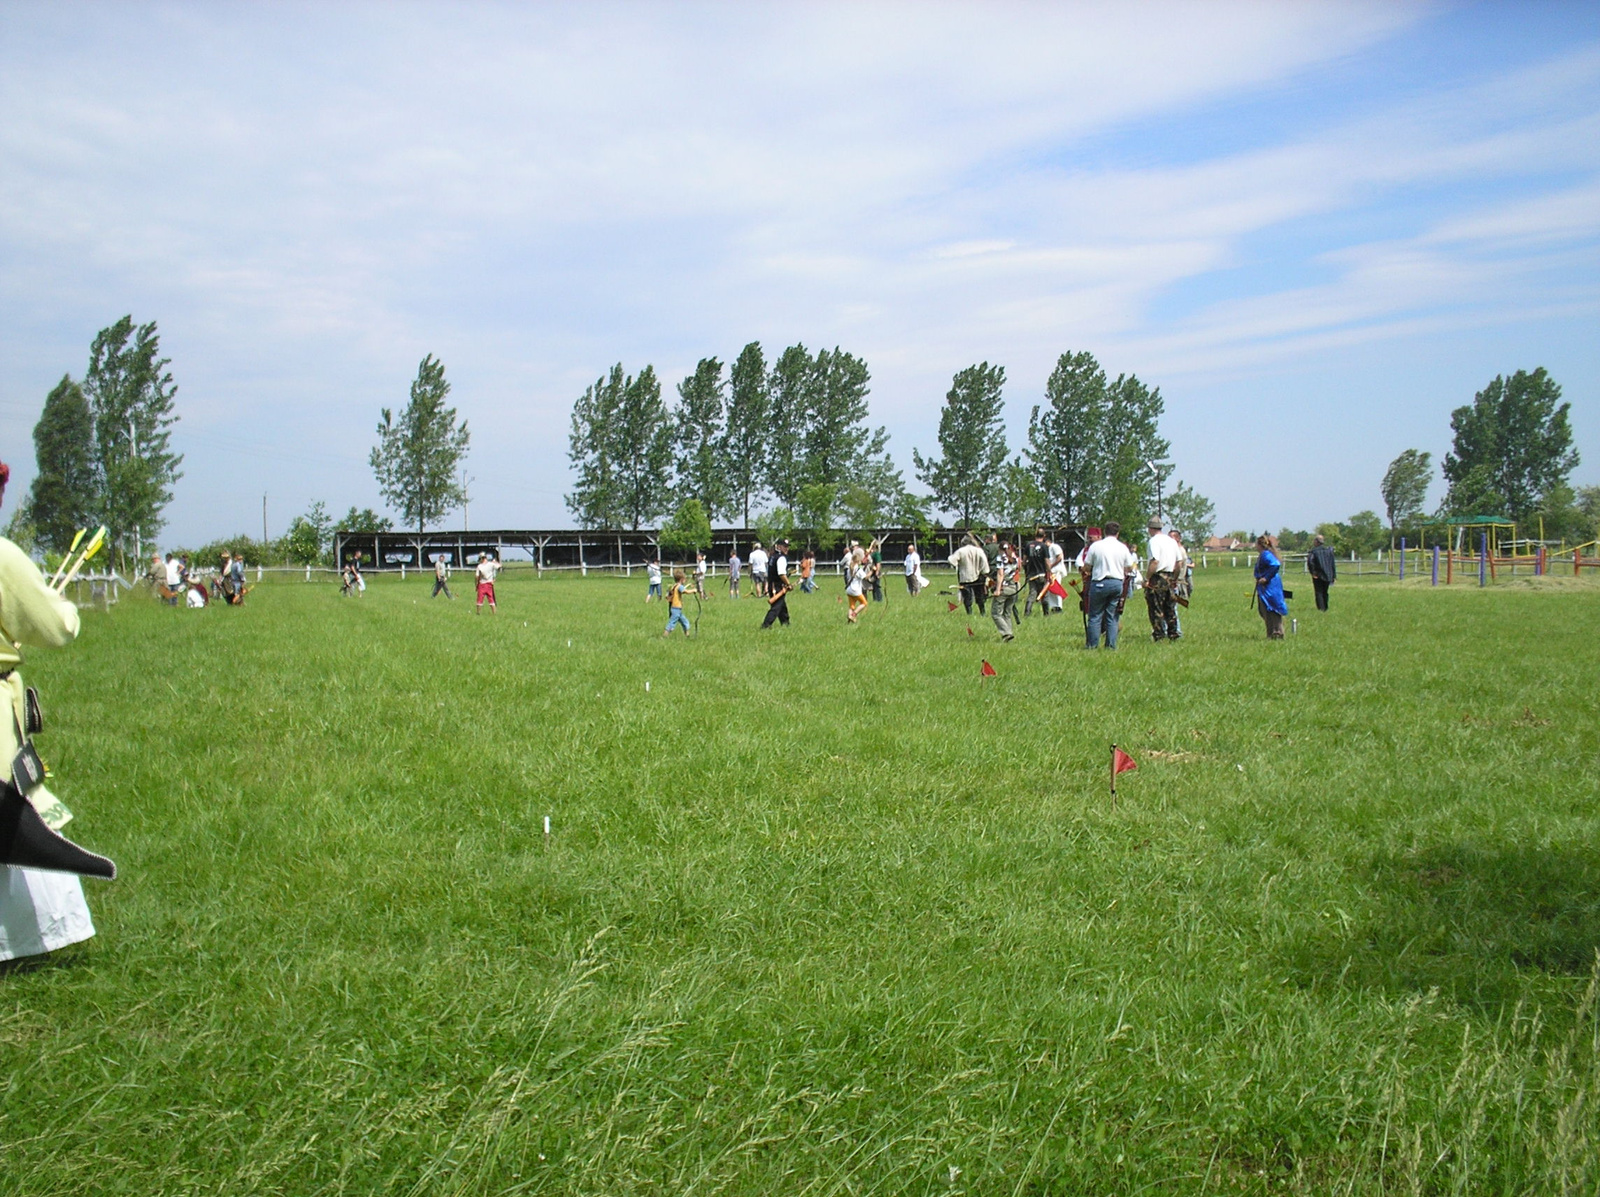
{"x": 795, "y": 437}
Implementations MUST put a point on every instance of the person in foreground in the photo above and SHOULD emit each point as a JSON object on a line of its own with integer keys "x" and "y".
{"x": 1111, "y": 566}
{"x": 1269, "y": 587}
{"x": 1320, "y": 564}
{"x": 41, "y": 901}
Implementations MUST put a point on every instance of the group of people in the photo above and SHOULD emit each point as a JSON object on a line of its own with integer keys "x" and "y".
{"x": 484, "y": 574}
{"x": 177, "y": 584}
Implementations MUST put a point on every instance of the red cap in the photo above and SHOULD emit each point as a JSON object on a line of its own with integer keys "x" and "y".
{"x": 1094, "y": 532}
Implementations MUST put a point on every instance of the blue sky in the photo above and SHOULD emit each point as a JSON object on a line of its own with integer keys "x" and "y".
{"x": 1318, "y": 228}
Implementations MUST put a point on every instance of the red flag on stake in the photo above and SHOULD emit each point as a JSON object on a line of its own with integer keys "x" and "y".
{"x": 949, "y": 606}
{"x": 1121, "y": 762}
{"x": 1055, "y": 589}
{"x": 969, "y": 631}
{"x": 987, "y": 670}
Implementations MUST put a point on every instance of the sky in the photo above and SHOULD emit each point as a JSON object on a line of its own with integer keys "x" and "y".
{"x": 1317, "y": 228}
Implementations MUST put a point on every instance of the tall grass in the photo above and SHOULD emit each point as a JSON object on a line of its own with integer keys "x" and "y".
{"x": 820, "y": 912}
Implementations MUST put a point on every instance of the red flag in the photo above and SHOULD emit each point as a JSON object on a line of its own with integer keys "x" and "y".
{"x": 969, "y": 631}
{"x": 949, "y": 605}
{"x": 1055, "y": 589}
{"x": 1121, "y": 762}
{"x": 987, "y": 670}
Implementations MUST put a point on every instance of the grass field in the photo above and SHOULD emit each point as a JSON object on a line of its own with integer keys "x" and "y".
{"x": 819, "y": 914}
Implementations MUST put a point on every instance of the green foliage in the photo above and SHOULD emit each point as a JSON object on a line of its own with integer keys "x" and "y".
{"x": 1090, "y": 442}
{"x": 1361, "y": 534}
{"x": 310, "y": 537}
{"x": 776, "y": 522}
{"x": 967, "y": 475}
{"x": 65, "y": 495}
{"x": 20, "y": 531}
{"x": 417, "y": 457}
{"x": 1405, "y": 486}
{"x": 697, "y": 437}
{"x": 365, "y": 520}
{"x": 818, "y": 503}
{"x": 1292, "y": 541}
{"x": 1512, "y": 447}
{"x": 819, "y": 914}
{"x": 744, "y": 432}
{"x": 1190, "y": 513}
{"x": 688, "y": 531}
{"x": 789, "y": 398}
{"x": 209, "y": 555}
{"x": 1022, "y": 503}
{"x": 621, "y": 447}
{"x": 130, "y": 394}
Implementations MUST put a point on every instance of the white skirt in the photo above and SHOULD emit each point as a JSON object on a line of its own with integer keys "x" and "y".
{"x": 40, "y": 912}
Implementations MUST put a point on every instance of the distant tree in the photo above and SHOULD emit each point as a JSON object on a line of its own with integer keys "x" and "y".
{"x": 64, "y": 496}
{"x": 596, "y": 499}
{"x": 309, "y": 536}
{"x": 1512, "y": 447}
{"x": 1065, "y": 437}
{"x": 418, "y": 457}
{"x": 641, "y": 447}
{"x": 789, "y": 400}
{"x": 1405, "y": 487}
{"x": 1191, "y": 514}
{"x": 1586, "y": 501}
{"x": 745, "y": 428}
{"x": 1291, "y": 541}
{"x": 130, "y": 394}
{"x": 365, "y": 520}
{"x": 698, "y": 435}
{"x": 837, "y": 442}
{"x": 689, "y": 529}
{"x": 1021, "y": 503}
{"x": 1362, "y": 532}
{"x": 966, "y": 477}
{"x": 815, "y": 510}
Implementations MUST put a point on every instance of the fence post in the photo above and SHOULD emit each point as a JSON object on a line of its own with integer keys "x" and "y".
{"x": 1538, "y": 563}
{"x": 1435, "y": 565}
{"x": 1483, "y": 558}
{"x": 308, "y": 573}
{"x": 1402, "y": 558}
{"x": 402, "y": 571}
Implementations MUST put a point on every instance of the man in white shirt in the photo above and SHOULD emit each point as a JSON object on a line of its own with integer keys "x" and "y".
{"x": 971, "y": 563}
{"x": 1112, "y": 567}
{"x": 913, "y": 565}
{"x": 174, "y": 573}
{"x": 758, "y": 568}
{"x": 1055, "y": 570}
{"x": 1163, "y": 560}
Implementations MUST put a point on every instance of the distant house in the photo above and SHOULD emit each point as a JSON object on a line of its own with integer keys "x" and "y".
{"x": 1222, "y": 544}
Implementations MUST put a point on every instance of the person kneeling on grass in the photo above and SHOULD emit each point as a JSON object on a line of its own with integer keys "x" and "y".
{"x": 675, "y": 615}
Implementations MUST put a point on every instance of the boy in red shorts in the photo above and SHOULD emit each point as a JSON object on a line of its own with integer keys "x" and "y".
{"x": 488, "y": 567}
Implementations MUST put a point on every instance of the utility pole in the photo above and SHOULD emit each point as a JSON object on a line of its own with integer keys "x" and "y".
{"x": 263, "y": 524}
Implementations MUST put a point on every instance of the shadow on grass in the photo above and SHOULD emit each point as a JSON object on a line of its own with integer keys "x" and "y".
{"x": 1467, "y": 919}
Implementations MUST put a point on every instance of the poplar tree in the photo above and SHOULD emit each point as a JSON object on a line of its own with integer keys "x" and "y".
{"x": 743, "y": 432}
{"x": 1066, "y": 439}
{"x": 967, "y": 474}
{"x": 789, "y": 403}
{"x": 697, "y": 437}
{"x": 130, "y": 394}
{"x": 418, "y": 457}
{"x": 64, "y": 496}
{"x": 594, "y": 500}
{"x": 641, "y": 450}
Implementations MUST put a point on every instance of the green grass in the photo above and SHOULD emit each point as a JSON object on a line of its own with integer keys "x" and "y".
{"x": 820, "y": 913}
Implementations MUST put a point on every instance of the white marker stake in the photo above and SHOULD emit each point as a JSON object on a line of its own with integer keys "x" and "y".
{"x": 547, "y": 831}
{"x": 647, "y": 687}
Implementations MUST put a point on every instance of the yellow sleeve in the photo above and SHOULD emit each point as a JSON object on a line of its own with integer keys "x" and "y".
{"x": 30, "y": 612}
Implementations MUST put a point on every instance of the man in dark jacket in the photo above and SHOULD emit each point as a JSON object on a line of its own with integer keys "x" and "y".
{"x": 1320, "y": 562}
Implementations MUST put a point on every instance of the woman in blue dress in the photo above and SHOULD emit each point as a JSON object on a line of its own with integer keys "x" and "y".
{"x": 1269, "y": 587}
